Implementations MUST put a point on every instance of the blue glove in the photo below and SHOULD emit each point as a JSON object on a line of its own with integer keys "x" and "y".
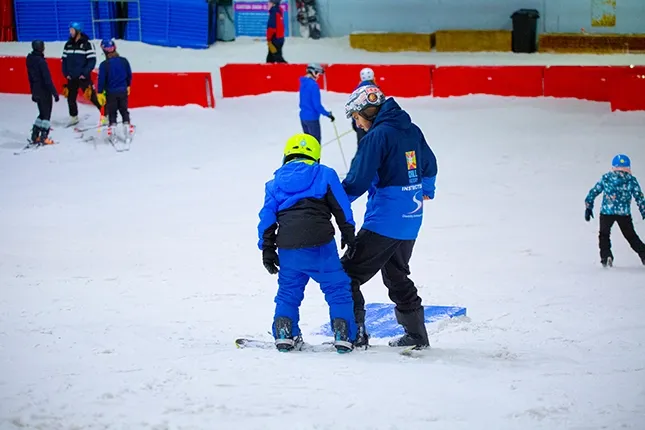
{"x": 588, "y": 214}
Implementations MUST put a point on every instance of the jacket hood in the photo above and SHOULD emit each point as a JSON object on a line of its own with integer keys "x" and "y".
{"x": 296, "y": 176}
{"x": 392, "y": 115}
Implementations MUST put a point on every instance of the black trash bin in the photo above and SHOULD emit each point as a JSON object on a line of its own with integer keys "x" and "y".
{"x": 525, "y": 30}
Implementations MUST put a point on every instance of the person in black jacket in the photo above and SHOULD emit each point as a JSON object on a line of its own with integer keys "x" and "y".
{"x": 42, "y": 91}
{"x": 79, "y": 59}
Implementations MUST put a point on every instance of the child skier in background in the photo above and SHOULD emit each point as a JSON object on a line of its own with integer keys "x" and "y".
{"x": 115, "y": 78}
{"x": 367, "y": 78}
{"x": 42, "y": 91}
{"x": 295, "y": 222}
{"x": 618, "y": 186}
{"x": 310, "y": 106}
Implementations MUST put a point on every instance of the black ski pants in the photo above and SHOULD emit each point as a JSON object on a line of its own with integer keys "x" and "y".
{"x": 626, "y": 226}
{"x": 277, "y": 57}
{"x": 73, "y": 86}
{"x": 45, "y": 104}
{"x": 392, "y": 257}
{"x": 117, "y": 102}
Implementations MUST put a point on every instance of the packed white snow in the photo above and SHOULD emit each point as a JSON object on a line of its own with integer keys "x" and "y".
{"x": 125, "y": 277}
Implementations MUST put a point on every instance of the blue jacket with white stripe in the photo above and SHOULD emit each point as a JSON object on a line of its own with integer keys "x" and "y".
{"x": 79, "y": 58}
{"x": 398, "y": 168}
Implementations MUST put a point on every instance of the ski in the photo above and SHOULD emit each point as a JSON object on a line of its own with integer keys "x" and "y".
{"x": 411, "y": 351}
{"x": 31, "y": 146}
{"x": 66, "y": 124}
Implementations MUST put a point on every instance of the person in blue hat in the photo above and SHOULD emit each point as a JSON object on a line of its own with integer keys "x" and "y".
{"x": 115, "y": 78}
{"x": 618, "y": 187}
{"x": 79, "y": 59}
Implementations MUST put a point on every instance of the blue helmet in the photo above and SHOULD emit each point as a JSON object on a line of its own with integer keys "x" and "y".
{"x": 108, "y": 46}
{"x": 621, "y": 161}
{"x": 76, "y": 26}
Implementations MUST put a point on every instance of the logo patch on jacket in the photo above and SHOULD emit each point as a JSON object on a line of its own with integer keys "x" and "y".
{"x": 411, "y": 159}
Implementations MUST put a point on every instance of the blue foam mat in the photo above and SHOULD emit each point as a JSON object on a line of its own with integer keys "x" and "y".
{"x": 381, "y": 322}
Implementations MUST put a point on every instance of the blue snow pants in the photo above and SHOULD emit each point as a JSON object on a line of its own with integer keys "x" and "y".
{"x": 312, "y": 128}
{"x": 321, "y": 264}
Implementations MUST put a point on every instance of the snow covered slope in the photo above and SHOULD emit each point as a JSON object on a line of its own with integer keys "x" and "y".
{"x": 125, "y": 277}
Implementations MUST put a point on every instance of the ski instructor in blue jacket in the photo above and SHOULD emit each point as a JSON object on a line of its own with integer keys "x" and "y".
{"x": 398, "y": 168}
{"x": 310, "y": 105}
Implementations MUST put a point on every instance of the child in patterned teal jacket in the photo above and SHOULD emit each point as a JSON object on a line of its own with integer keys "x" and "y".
{"x": 618, "y": 188}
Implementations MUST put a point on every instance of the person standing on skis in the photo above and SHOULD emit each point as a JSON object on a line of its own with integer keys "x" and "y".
{"x": 42, "y": 90}
{"x": 310, "y": 105}
{"x": 296, "y": 237}
{"x": 115, "y": 78}
{"x": 399, "y": 169}
{"x": 79, "y": 59}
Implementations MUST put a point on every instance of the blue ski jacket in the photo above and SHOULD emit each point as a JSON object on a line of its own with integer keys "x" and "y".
{"x": 79, "y": 57}
{"x": 618, "y": 188}
{"x": 398, "y": 168}
{"x": 310, "y": 105}
{"x": 299, "y": 202}
{"x": 115, "y": 75}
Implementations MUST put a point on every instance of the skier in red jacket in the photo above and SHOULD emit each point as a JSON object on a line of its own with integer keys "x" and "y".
{"x": 275, "y": 33}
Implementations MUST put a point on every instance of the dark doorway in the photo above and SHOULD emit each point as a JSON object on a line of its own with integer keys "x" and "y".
{"x": 121, "y": 13}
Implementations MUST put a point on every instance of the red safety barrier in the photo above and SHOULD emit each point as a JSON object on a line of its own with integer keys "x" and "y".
{"x": 171, "y": 89}
{"x": 628, "y": 92}
{"x": 254, "y": 79}
{"x": 581, "y": 82}
{"x": 396, "y": 80}
{"x": 518, "y": 81}
{"x": 151, "y": 89}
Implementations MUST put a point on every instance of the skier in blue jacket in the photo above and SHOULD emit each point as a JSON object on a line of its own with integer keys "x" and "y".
{"x": 618, "y": 187}
{"x": 115, "y": 78}
{"x": 367, "y": 78}
{"x": 310, "y": 105}
{"x": 397, "y": 166}
{"x": 296, "y": 234}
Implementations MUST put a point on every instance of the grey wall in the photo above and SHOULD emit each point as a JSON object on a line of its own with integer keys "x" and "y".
{"x": 342, "y": 17}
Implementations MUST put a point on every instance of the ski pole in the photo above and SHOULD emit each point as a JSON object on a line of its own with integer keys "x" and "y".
{"x": 337, "y": 137}
{"x": 342, "y": 153}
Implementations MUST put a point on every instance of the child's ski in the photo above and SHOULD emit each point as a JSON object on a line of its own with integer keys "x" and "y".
{"x": 31, "y": 146}
{"x": 411, "y": 351}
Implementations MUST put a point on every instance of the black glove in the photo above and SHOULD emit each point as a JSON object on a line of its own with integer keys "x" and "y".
{"x": 56, "y": 98}
{"x": 331, "y": 117}
{"x": 35, "y": 98}
{"x": 270, "y": 260}
{"x": 588, "y": 214}
{"x": 350, "y": 242}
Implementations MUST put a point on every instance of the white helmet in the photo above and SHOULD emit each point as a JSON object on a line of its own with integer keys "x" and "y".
{"x": 367, "y": 74}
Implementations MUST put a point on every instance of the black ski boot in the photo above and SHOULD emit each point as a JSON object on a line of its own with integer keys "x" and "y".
{"x": 608, "y": 262}
{"x": 35, "y": 135}
{"x": 284, "y": 339}
{"x": 362, "y": 338}
{"x": 44, "y": 136}
{"x": 415, "y": 329}
{"x": 342, "y": 342}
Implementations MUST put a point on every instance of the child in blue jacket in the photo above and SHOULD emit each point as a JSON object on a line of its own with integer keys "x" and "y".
{"x": 310, "y": 105}
{"x": 618, "y": 186}
{"x": 115, "y": 78}
{"x": 296, "y": 234}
